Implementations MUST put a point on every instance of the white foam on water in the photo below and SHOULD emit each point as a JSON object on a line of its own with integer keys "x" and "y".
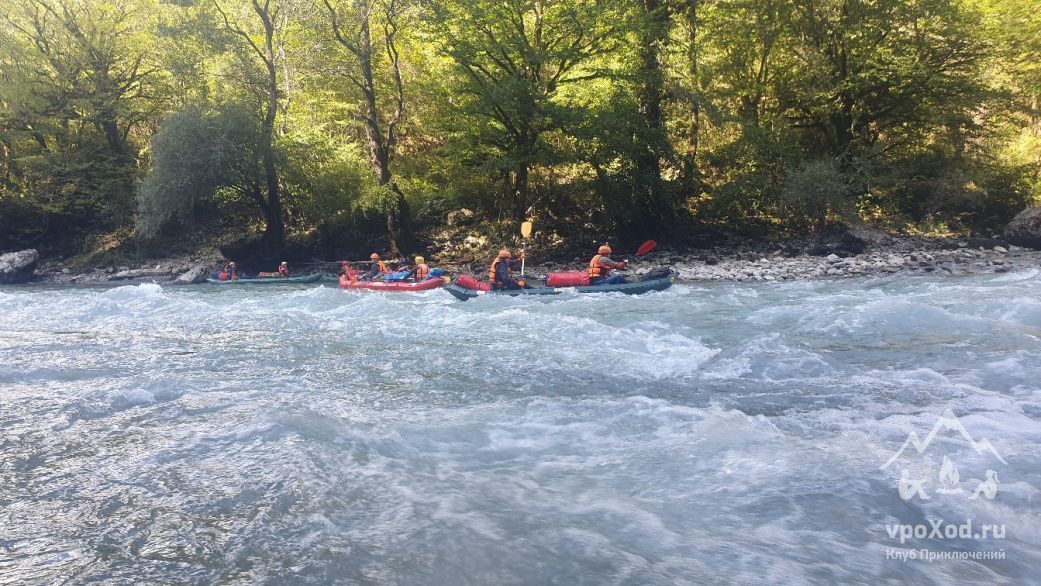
{"x": 201, "y": 435}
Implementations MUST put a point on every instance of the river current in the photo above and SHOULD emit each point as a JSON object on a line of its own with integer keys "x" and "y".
{"x": 723, "y": 433}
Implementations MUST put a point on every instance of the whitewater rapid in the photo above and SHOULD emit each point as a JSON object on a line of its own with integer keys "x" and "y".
{"x": 722, "y": 433}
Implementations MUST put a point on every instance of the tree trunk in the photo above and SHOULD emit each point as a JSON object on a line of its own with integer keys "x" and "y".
{"x": 399, "y": 215}
{"x": 274, "y": 234}
{"x": 5, "y": 163}
{"x": 520, "y": 192}
{"x": 1035, "y": 125}
{"x": 690, "y": 161}
{"x": 113, "y": 136}
{"x": 651, "y": 200}
{"x": 399, "y": 225}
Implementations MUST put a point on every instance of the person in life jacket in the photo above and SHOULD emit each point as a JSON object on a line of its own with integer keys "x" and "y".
{"x": 422, "y": 270}
{"x": 283, "y": 269}
{"x": 600, "y": 267}
{"x": 378, "y": 267}
{"x": 500, "y": 274}
{"x": 231, "y": 272}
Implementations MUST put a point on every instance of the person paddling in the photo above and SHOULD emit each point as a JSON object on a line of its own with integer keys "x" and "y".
{"x": 600, "y": 267}
{"x": 377, "y": 268}
{"x": 500, "y": 274}
{"x": 283, "y": 269}
{"x": 422, "y": 270}
{"x": 231, "y": 272}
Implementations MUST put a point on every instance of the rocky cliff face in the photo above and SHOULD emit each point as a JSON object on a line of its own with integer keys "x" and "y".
{"x": 18, "y": 267}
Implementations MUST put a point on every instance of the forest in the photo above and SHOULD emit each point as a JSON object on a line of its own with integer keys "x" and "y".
{"x": 346, "y": 124}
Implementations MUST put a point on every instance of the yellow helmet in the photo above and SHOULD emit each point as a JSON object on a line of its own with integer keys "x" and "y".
{"x": 420, "y": 260}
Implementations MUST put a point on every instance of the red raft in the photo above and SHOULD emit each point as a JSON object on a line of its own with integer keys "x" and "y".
{"x": 350, "y": 281}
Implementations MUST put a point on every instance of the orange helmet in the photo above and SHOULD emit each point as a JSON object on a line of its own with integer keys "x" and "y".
{"x": 604, "y": 250}
{"x": 505, "y": 253}
{"x": 374, "y": 256}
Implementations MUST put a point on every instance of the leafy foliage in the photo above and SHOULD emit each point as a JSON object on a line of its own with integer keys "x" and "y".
{"x": 621, "y": 119}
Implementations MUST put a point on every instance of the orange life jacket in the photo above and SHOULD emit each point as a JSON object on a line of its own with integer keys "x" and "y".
{"x": 493, "y": 270}
{"x": 422, "y": 271}
{"x": 383, "y": 266}
{"x": 595, "y": 270}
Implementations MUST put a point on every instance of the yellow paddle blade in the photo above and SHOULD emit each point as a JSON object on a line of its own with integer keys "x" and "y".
{"x": 526, "y": 229}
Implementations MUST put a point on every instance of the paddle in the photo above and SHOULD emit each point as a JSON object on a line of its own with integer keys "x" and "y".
{"x": 645, "y": 248}
{"x": 525, "y": 232}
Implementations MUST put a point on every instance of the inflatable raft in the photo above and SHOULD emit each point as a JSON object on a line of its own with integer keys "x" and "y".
{"x": 467, "y": 287}
{"x": 313, "y": 278}
{"x": 350, "y": 281}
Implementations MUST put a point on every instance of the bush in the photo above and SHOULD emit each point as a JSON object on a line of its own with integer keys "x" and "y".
{"x": 815, "y": 195}
{"x": 196, "y": 152}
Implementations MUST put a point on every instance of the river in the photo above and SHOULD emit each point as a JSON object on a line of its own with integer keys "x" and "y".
{"x": 723, "y": 433}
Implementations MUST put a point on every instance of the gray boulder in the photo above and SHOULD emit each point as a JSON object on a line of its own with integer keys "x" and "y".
{"x": 871, "y": 235}
{"x": 18, "y": 267}
{"x": 193, "y": 276}
{"x": 1025, "y": 229}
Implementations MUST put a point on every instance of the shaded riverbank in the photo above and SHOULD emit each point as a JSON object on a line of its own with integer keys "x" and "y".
{"x": 760, "y": 262}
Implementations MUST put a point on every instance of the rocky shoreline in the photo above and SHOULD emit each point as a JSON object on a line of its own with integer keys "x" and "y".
{"x": 901, "y": 257}
{"x": 886, "y": 256}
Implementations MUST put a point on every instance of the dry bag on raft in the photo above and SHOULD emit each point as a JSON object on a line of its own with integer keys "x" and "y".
{"x": 468, "y": 282}
{"x": 572, "y": 279}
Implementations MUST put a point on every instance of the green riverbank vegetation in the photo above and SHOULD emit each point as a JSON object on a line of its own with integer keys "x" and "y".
{"x": 342, "y": 123}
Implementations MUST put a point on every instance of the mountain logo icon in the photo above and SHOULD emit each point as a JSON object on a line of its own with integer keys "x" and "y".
{"x": 946, "y": 422}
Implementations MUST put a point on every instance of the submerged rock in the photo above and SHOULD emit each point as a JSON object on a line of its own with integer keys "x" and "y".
{"x": 140, "y": 274}
{"x": 18, "y": 267}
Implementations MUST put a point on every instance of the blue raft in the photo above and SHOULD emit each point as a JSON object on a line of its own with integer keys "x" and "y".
{"x": 659, "y": 284}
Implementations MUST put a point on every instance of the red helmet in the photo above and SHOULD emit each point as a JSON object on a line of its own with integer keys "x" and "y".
{"x": 604, "y": 250}
{"x": 374, "y": 256}
{"x": 505, "y": 253}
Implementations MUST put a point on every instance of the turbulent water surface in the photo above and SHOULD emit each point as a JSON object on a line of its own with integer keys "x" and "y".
{"x": 723, "y": 433}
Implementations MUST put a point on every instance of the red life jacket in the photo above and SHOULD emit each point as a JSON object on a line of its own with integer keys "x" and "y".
{"x": 422, "y": 271}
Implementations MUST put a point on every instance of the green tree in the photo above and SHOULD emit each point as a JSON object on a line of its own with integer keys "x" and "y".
{"x": 513, "y": 58}
{"x": 196, "y": 152}
{"x": 352, "y": 29}
{"x": 262, "y": 29}
{"x": 870, "y": 68}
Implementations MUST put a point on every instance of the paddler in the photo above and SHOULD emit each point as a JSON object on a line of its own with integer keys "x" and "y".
{"x": 421, "y": 270}
{"x": 283, "y": 269}
{"x": 378, "y": 267}
{"x": 600, "y": 267}
{"x": 500, "y": 274}
{"x": 231, "y": 272}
